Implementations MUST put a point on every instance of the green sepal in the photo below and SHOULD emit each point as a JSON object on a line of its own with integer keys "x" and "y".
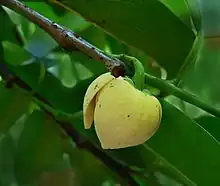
{"x": 41, "y": 77}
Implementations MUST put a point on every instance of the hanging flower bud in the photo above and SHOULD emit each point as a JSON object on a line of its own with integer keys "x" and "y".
{"x": 123, "y": 115}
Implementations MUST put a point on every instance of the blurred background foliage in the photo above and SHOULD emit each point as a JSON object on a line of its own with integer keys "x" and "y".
{"x": 34, "y": 151}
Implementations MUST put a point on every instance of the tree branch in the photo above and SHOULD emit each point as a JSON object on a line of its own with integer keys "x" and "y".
{"x": 66, "y": 38}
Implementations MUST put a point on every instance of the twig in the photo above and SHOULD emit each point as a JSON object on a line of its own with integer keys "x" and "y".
{"x": 66, "y": 38}
{"x": 185, "y": 96}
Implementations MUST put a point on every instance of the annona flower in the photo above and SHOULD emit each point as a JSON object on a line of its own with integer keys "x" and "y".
{"x": 123, "y": 115}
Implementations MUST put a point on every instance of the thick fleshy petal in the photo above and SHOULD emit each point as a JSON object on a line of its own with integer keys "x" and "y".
{"x": 89, "y": 98}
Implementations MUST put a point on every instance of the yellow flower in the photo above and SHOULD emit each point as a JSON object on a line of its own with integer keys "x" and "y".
{"x": 123, "y": 116}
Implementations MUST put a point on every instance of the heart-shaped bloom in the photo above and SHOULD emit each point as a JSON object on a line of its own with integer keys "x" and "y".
{"x": 123, "y": 115}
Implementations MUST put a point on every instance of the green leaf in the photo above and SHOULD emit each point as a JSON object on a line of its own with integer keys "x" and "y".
{"x": 91, "y": 65}
{"x": 188, "y": 109}
{"x": 63, "y": 177}
{"x": 211, "y": 124}
{"x": 71, "y": 72}
{"x": 39, "y": 147}
{"x": 8, "y": 28}
{"x": 85, "y": 165}
{"x": 67, "y": 77}
{"x": 61, "y": 97}
{"x": 13, "y": 103}
{"x": 7, "y": 149}
{"x": 81, "y": 62}
{"x": 187, "y": 10}
{"x": 180, "y": 9}
{"x": 19, "y": 56}
{"x": 61, "y": 172}
{"x": 1, "y": 52}
{"x": 200, "y": 78}
{"x": 14, "y": 16}
{"x": 184, "y": 143}
{"x": 194, "y": 8}
{"x": 67, "y": 19}
{"x": 39, "y": 47}
{"x": 95, "y": 36}
{"x": 147, "y": 25}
